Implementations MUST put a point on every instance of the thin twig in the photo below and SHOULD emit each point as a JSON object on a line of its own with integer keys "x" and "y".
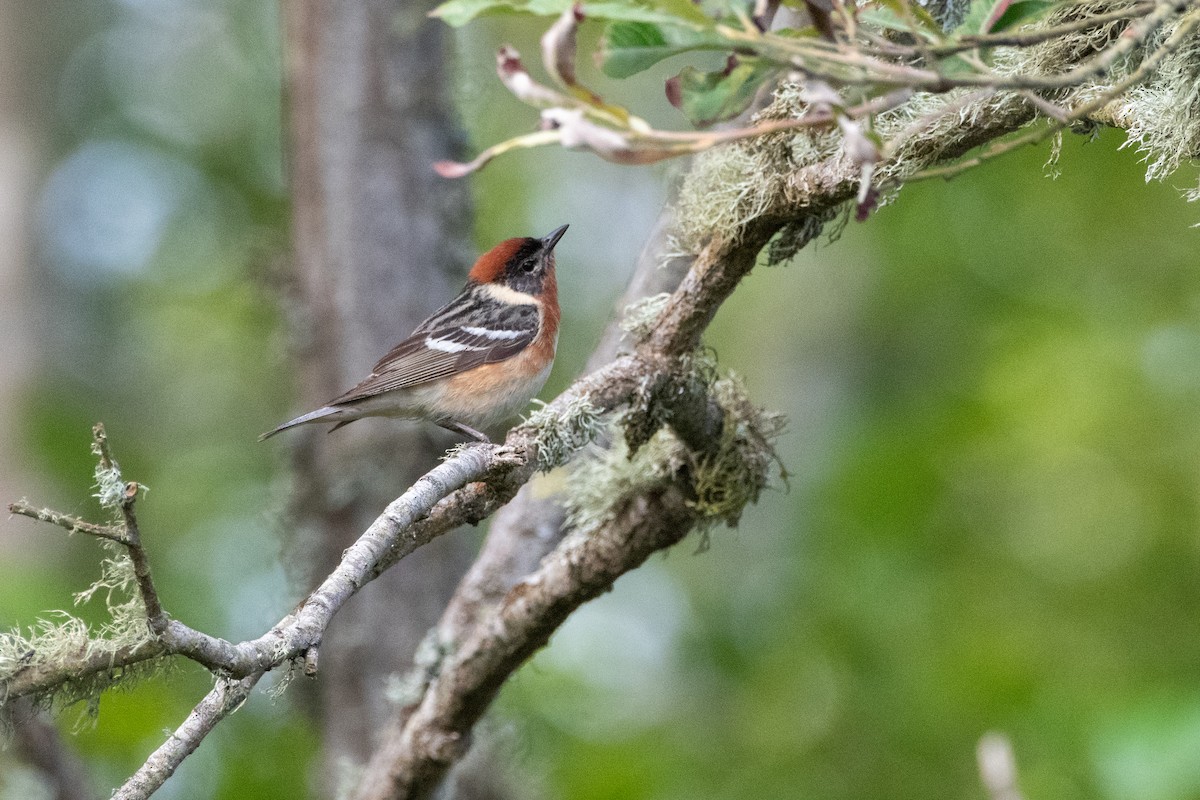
{"x": 1050, "y": 110}
{"x": 1019, "y": 39}
{"x": 131, "y": 537}
{"x": 155, "y": 615}
{"x": 71, "y": 523}
{"x": 861, "y": 68}
{"x": 1187, "y": 25}
{"x": 224, "y": 698}
{"x": 101, "y": 447}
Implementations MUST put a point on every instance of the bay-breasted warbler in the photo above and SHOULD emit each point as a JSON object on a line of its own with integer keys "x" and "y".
{"x": 476, "y": 360}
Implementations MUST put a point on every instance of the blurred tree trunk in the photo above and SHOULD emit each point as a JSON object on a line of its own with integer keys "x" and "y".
{"x": 378, "y": 242}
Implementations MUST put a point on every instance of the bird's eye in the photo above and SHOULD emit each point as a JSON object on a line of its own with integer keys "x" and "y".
{"x": 529, "y": 266}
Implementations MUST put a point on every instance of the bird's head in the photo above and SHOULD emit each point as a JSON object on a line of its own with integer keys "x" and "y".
{"x": 523, "y": 265}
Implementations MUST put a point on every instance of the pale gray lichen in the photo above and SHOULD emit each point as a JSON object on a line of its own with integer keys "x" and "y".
{"x": 1164, "y": 113}
{"x": 110, "y": 488}
{"x": 728, "y": 186}
{"x": 64, "y": 639}
{"x": 723, "y": 480}
{"x": 1161, "y": 115}
{"x": 731, "y": 185}
{"x": 641, "y": 314}
{"x": 560, "y": 434}
{"x": 739, "y": 469}
{"x": 284, "y": 679}
{"x": 599, "y": 484}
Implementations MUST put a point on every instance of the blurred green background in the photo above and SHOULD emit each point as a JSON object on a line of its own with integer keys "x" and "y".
{"x": 994, "y": 446}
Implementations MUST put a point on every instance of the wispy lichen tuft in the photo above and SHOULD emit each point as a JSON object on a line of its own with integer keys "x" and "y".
{"x": 65, "y": 639}
{"x": 598, "y": 485}
{"x": 560, "y": 434}
{"x": 1164, "y": 112}
{"x": 740, "y": 468}
{"x": 110, "y": 488}
{"x": 723, "y": 480}
{"x": 729, "y": 187}
{"x": 640, "y": 315}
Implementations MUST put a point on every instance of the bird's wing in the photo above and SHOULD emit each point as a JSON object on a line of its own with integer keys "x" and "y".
{"x": 467, "y": 333}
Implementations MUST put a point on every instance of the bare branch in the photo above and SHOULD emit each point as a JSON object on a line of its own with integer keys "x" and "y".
{"x": 224, "y": 698}
{"x": 438, "y": 731}
{"x": 71, "y": 523}
{"x": 141, "y": 562}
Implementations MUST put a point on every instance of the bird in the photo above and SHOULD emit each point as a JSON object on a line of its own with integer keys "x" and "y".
{"x": 474, "y": 361}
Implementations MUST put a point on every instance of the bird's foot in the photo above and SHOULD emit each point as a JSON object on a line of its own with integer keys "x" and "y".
{"x": 465, "y": 430}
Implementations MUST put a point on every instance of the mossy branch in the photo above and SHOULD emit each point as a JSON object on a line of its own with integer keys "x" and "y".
{"x": 1093, "y": 52}
{"x": 734, "y": 200}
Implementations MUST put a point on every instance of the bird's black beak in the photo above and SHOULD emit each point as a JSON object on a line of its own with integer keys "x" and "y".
{"x": 551, "y": 239}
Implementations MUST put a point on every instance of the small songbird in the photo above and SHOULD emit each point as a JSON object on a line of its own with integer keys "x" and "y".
{"x": 477, "y": 359}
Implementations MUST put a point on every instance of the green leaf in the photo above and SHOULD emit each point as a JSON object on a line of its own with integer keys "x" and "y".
{"x": 627, "y": 48}
{"x": 1016, "y": 14}
{"x": 460, "y": 12}
{"x": 664, "y": 12}
{"x": 709, "y": 97}
{"x": 902, "y": 15}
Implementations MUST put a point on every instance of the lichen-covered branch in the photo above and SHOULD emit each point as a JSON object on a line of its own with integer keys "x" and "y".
{"x": 854, "y": 74}
{"x": 45, "y": 671}
{"x": 671, "y": 461}
{"x": 733, "y": 202}
{"x": 438, "y": 731}
{"x": 41, "y": 666}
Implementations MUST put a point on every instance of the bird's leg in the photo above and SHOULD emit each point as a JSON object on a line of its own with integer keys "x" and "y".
{"x": 464, "y": 429}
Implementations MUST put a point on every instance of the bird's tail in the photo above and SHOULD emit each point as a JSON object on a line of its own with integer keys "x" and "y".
{"x": 325, "y": 413}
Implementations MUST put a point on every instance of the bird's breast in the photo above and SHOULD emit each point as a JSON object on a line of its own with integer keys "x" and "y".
{"x": 492, "y": 392}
